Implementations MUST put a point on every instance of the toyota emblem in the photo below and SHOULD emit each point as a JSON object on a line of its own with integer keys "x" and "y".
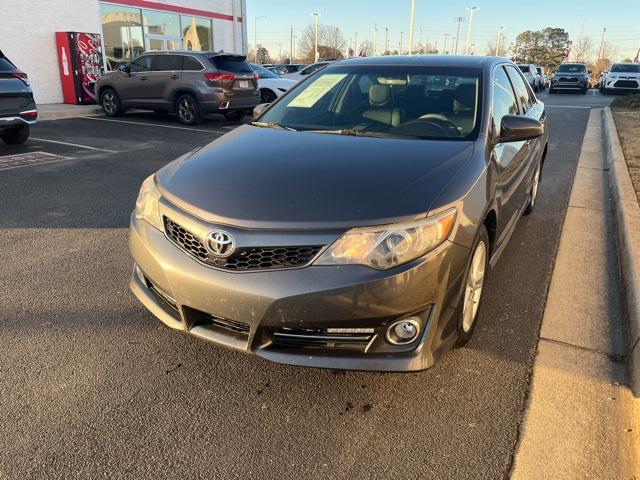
{"x": 220, "y": 243}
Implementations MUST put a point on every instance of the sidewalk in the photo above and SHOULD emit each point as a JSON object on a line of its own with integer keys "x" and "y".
{"x": 54, "y": 111}
{"x": 582, "y": 417}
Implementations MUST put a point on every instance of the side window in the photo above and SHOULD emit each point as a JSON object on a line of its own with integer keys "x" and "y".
{"x": 191, "y": 64}
{"x": 504, "y": 100}
{"x": 141, "y": 64}
{"x": 522, "y": 91}
{"x": 166, "y": 63}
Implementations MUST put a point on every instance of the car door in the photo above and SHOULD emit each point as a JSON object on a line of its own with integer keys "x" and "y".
{"x": 131, "y": 84}
{"x": 163, "y": 80}
{"x": 508, "y": 156}
{"x": 532, "y": 149}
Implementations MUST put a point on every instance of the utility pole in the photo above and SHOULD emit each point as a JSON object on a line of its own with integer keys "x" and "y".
{"x": 386, "y": 40}
{"x": 498, "y": 41}
{"x": 315, "y": 43}
{"x": 295, "y": 39}
{"x": 291, "y": 46}
{"x": 411, "y": 23}
{"x": 458, "y": 20}
{"x": 255, "y": 36}
{"x": 472, "y": 10}
{"x": 601, "y": 51}
{"x": 375, "y": 43}
{"x": 355, "y": 45}
{"x": 401, "y": 35}
{"x": 444, "y": 48}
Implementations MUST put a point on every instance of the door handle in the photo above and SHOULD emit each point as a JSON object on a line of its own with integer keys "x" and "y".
{"x": 175, "y": 75}
{"x": 143, "y": 78}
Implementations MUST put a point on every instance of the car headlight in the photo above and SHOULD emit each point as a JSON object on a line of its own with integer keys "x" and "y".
{"x": 388, "y": 246}
{"x": 147, "y": 203}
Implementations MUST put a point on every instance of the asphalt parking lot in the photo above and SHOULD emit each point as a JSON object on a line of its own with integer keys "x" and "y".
{"x": 94, "y": 386}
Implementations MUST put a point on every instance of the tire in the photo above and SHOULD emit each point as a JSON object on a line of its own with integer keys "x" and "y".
{"x": 472, "y": 295}
{"x": 111, "y": 103}
{"x": 535, "y": 186}
{"x": 235, "y": 115}
{"x": 267, "y": 96}
{"x": 551, "y": 90}
{"x": 188, "y": 110}
{"x": 16, "y": 136}
{"x": 584, "y": 92}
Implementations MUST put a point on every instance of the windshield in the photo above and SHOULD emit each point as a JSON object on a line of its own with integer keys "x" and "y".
{"x": 399, "y": 101}
{"x": 572, "y": 69}
{"x": 263, "y": 72}
{"x": 626, "y": 68}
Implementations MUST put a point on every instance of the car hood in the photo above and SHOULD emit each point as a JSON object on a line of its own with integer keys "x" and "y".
{"x": 264, "y": 178}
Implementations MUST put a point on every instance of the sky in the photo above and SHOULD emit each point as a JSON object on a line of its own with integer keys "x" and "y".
{"x": 436, "y": 19}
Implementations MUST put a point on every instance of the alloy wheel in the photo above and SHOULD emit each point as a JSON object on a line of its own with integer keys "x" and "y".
{"x": 186, "y": 110}
{"x": 473, "y": 287}
{"x": 109, "y": 103}
{"x": 534, "y": 187}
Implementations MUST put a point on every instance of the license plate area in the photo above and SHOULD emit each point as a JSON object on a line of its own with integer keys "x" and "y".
{"x": 243, "y": 84}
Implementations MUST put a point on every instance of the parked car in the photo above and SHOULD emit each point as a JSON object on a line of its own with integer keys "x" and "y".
{"x": 283, "y": 69}
{"x": 352, "y": 224}
{"x": 543, "y": 78}
{"x": 531, "y": 74}
{"x": 621, "y": 78}
{"x": 190, "y": 84}
{"x": 570, "y": 76}
{"x": 270, "y": 85}
{"x": 306, "y": 71}
{"x": 17, "y": 107}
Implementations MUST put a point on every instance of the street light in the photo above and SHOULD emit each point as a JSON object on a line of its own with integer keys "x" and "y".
{"x": 315, "y": 43}
{"x": 472, "y": 10}
{"x": 458, "y": 20}
{"x": 411, "y": 23}
{"x": 255, "y": 35}
{"x": 498, "y": 41}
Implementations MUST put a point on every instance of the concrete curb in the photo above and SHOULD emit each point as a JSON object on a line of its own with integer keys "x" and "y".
{"x": 58, "y": 112}
{"x": 627, "y": 214}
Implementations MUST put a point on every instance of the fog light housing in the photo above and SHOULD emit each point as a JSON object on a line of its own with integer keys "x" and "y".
{"x": 402, "y": 332}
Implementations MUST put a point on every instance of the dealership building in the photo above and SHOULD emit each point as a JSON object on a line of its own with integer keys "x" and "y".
{"x": 127, "y": 28}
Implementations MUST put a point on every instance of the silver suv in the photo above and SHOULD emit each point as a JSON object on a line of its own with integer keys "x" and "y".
{"x": 189, "y": 84}
{"x": 622, "y": 77}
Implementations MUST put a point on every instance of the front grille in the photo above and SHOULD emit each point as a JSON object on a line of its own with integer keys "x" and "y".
{"x": 626, "y": 84}
{"x": 568, "y": 79}
{"x": 307, "y": 338}
{"x": 223, "y": 323}
{"x": 244, "y": 258}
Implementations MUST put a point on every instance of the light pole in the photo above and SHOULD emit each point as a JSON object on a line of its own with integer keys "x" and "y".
{"x": 401, "y": 35}
{"x": 315, "y": 42}
{"x": 386, "y": 40}
{"x": 601, "y": 50}
{"x": 498, "y": 41}
{"x": 355, "y": 45}
{"x": 375, "y": 40}
{"x": 444, "y": 48}
{"x": 472, "y": 10}
{"x": 411, "y": 23}
{"x": 459, "y": 21}
{"x": 255, "y": 35}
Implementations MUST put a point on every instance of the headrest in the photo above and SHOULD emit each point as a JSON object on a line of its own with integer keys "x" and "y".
{"x": 465, "y": 96}
{"x": 379, "y": 95}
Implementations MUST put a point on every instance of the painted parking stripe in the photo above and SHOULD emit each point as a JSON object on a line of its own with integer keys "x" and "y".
{"x": 29, "y": 159}
{"x": 155, "y": 125}
{"x": 77, "y": 145}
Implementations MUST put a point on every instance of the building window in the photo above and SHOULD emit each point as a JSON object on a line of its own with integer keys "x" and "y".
{"x": 122, "y": 34}
{"x": 197, "y": 33}
{"x": 160, "y": 23}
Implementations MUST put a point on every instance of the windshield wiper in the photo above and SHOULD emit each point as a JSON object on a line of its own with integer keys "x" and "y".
{"x": 362, "y": 133}
{"x": 273, "y": 125}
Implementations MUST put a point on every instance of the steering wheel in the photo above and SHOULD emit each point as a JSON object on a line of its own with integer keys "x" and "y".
{"x": 442, "y": 123}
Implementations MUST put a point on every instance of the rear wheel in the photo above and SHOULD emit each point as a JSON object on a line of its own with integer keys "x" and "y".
{"x": 111, "y": 103}
{"x": 473, "y": 287}
{"x": 235, "y": 115}
{"x": 16, "y": 136}
{"x": 188, "y": 110}
{"x": 267, "y": 96}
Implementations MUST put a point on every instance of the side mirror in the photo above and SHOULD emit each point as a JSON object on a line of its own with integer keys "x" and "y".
{"x": 258, "y": 109}
{"x": 516, "y": 128}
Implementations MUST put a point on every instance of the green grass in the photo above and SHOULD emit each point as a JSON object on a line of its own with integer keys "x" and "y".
{"x": 627, "y": 102}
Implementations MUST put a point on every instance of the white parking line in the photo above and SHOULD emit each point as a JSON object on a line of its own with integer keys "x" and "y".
{"x": 86, "y": 147}
{"x": 155, "y": 125}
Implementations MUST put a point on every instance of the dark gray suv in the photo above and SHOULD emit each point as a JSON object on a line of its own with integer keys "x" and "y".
{"x": 17, "y": 107}
{"x": 190, "y": 84}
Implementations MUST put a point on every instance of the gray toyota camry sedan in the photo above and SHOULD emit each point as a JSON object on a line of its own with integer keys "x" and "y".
{"x": 354, "y": 222}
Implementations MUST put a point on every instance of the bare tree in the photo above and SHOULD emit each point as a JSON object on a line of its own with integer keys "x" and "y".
{"x": 492, "y": 48}
{"x": 331, "y": 43}
{"x": 581, "y": 49}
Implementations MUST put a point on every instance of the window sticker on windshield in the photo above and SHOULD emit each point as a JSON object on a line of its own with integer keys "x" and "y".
{"x": 314, "y": 92}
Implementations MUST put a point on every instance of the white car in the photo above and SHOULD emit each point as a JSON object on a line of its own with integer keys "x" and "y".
{"x": 621, "y": 77}
{"x": 271, "y": 86}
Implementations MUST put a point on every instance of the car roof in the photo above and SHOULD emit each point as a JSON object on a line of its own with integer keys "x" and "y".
{"x": 428, "y": 60}
{"x": 624, "y": 63}
{"x": 191, "y": 52}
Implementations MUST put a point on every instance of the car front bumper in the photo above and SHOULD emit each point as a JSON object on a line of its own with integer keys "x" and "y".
{"x": 563, "y": 85}
{"x": 251, "y": 311}
{"x": 631, "y": 85}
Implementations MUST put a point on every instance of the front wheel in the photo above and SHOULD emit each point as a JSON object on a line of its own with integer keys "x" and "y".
{"x": 188, "y": 110}
{"x": 267, "y": 96}
{"x": 111, "y": 103}
{"x": 533, "y": 193}
{"x": 473, "y": 286}
{"x": 16, "y": 136}
{"x": 551, "y": 90}
{"x": 235, "y": 115}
